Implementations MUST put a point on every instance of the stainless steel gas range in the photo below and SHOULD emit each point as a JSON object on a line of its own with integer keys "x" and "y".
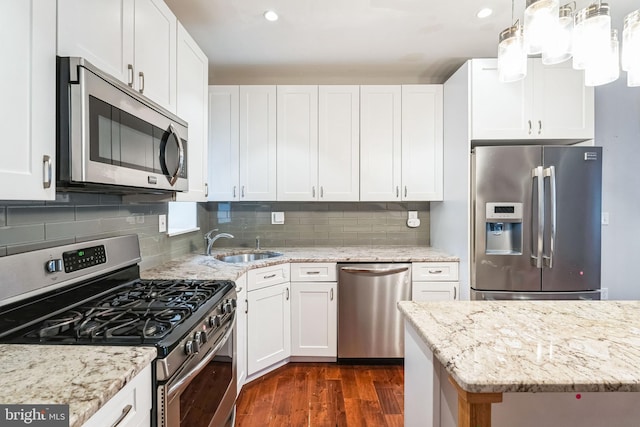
{"x": 90, "y": 293}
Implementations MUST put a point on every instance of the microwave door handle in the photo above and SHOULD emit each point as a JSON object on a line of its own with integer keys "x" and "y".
{"x": 550, "y": 173}
{"x": 174, "y": 132}
{"x": 537, "y": 233}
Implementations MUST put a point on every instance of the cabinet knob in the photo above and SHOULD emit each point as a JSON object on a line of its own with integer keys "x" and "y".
{"x": 54, "y": 266}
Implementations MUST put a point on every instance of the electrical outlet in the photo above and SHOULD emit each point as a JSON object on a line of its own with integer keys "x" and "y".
{"x": 604, "y": 293}
{"x": 605, "y": 218}
{"x": 162, "y": 223}
{"x": 277, "y": 217}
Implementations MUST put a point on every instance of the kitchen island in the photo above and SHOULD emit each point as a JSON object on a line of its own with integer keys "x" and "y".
{"x": 522, "y": 363}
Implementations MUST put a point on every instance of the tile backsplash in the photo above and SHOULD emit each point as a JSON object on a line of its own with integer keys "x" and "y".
{"x": 75, "y": 217}
{"x": 319, "y": 224}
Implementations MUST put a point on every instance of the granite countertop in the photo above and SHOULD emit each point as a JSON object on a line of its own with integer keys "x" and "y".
{"x": 84, "y": 377}
{"x": 533, "y": 346}
{"x": 198, "y": 266}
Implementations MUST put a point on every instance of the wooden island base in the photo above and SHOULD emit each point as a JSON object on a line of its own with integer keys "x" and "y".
{"x": 474, "y": 409}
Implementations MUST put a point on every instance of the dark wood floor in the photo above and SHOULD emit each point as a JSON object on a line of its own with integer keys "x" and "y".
{"x": 324, "y": 394}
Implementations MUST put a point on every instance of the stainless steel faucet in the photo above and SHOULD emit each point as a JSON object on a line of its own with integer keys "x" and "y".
{"x": 209, "y": 240}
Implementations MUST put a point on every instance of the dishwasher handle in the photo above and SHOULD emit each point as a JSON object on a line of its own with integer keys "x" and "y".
{"x": 375, "y": 271}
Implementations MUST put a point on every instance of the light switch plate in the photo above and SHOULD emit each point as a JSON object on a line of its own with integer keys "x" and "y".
{"x": 605, "y": 218}
{"x": 413, "y": 215}
{"x": 277, "y": 217}
{"x": 162, "y": 223}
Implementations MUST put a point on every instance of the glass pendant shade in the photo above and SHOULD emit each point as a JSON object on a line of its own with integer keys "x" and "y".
{"x": 540, "y": 18}
{"x": 512, "y": 55}
{"x": 559, "y": 46}
{"x": 578, "y": 45}
{"x": 606, "y": 69}
{"x": 596, "y": 36}
{"x": 631, "y": 42}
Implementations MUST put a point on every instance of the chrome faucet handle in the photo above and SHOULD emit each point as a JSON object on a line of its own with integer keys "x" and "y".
{"x": 208, "y": 235}
{"x": 257, "y": 242}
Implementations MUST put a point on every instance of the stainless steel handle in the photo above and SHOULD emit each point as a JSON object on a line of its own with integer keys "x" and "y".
{"x": 313, "y": 191}
{"x": 397, "y": 191}
{"x": 435, "y": 271}
{"x": 539, "y": 127}
{"x": 374, "y": 271}
{"x": 309, "y": 273}
{"x": 287, "y": 289}
{"x": 141, "y": 78}
{"x": 175, "y": 134}
{"x": 47, "y": 171}
{"x": 455, "y": 292}
{"x": 537, "y": 235}
{"x": 405, "y": 191}
{"x": 550, "y": 172}
{"x": 130, "y": 68}
{"x": 246, "y": 306}
{"x": 200, "y": 366}
{"x": 242, "y": 191}
{"x": 125, "y": 412}
{"x": 234, "y": 191}
{"x": 331, "y": 294}
{"x": 321, "y": 191}
{"x": 529, "y": 121}
{"x": 269, "y": 276}
{"x": 206, "y": 189}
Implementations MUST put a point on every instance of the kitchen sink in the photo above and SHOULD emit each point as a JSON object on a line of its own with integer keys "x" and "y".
{"x": 247, "y": 257}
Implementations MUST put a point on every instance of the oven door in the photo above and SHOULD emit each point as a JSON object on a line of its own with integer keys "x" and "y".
{"x": 204, "y": 393}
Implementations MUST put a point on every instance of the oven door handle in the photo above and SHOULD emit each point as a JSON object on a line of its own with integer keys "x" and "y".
{"x": 200, "y": 366}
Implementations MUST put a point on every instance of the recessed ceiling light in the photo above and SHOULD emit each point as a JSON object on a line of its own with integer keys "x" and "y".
{"x": 270, "y": 15}
{"x": 483, "y": 13}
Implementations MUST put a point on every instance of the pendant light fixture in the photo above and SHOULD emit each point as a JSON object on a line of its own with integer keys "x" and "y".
{"x": 558, "y": 33}
{"x": 540, "y": 19}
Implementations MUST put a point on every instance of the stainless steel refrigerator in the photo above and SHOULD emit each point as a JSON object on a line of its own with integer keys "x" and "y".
{"x": 536, "y": 227}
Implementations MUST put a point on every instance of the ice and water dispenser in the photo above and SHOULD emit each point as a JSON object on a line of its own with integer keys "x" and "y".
{"x": 503, "y": 229}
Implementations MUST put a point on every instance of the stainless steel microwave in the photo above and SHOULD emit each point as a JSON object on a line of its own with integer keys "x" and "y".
{"x": 113, "y": 139}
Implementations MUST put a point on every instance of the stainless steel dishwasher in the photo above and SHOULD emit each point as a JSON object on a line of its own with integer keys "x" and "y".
{"x": 369, "y": 323}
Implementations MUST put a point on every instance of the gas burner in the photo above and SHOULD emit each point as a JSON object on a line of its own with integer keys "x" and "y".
{"x": 58, "y": 325}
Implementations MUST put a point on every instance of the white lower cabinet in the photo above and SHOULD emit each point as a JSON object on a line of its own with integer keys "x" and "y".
{"x": 268, "y": 325}
{"x": 314, "y": 319}
{"x": 434, "y": 281}
{"x": 241, "y": 331}
{"x": 130, "y": 407}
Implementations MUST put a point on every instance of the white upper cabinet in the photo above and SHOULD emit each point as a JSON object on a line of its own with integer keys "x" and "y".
{"x": 192, "y": 77}
{"x": 422, "y": 142}
{"x": 339, "y": 143}
{"x": 224, "y": 102}
{"x": 257, "y": 143}
{"x": 551, "y": 103}
{"x": 297, "y": 143}
{"x": 133, "y": 40}
{"x": 27, "y": 82}
{"x": 380, "y": 143}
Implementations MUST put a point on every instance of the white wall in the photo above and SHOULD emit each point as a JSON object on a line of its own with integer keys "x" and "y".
{"x": 618, "y": 132}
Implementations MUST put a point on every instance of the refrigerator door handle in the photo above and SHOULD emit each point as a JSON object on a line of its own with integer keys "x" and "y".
{"x": 537, "y": 235}
{"x": 550, "y": 173}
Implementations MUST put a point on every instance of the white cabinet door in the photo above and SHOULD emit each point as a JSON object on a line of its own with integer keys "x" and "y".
{"x": 101, "y": 31}
{"x": 241, "y": 331}
{"x": 268, "y": 327}
{"x": 339, "y": 143}
{"x": 155, "y": 52}
{"x": 258, "y": 143}
{"x": 563, "y": 105}
{"x": 192, "y": 78}
{"x": 499, "y": 110}
{"x": 434, "y": 291}
{"x": 380, "y": 139}
{"x": 28, "y": 105}
{"x": 223, "y": 143}
{"x": 297, "y": 143}
{"x": 314, "y": 319}
{"x": 422, "y": 142}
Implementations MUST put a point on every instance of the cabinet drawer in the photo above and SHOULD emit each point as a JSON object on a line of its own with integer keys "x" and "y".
{"x": 434, "y": 271}
{"x": 313, "y": 272}
{"x": 267, "y": 276}
{"x": 434, "y": 291}
{"x": 131, "y": 405}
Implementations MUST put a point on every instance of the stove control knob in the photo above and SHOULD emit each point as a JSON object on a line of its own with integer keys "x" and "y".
{"x": 227, "y": 308}
{"x": 214, "y": 321}
{"x": 54, "y": 266}
{"x": 233, "y": 303}
{"x": 200, "y": 337}
{"x": 189, "y": 348}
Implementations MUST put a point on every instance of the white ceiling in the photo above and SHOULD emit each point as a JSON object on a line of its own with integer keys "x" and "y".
{"x": 346, "y": 41}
